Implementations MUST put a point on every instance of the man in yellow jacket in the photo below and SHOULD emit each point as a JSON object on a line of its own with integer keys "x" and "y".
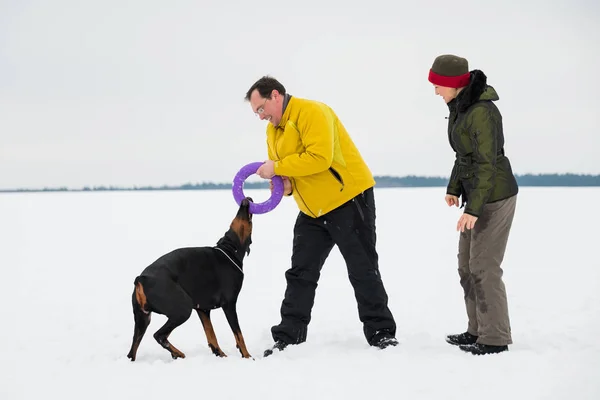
{"x": 323, "y": 170}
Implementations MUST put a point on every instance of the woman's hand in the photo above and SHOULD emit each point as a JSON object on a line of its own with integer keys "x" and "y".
{"x": 466, "y": 221}
{"x": 451, "y": 200}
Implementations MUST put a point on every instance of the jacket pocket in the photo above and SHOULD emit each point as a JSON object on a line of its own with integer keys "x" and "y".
{"x": 337, "y": 177}
{"x": 466, "y": 172}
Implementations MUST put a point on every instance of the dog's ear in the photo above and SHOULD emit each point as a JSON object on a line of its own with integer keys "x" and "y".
{"x": 247, "y": 245}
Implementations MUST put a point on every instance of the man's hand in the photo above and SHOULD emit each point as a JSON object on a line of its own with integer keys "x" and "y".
{"x": 466, "y": 221}
{"x": 451, "y": 200}
{"x": 267, "y": 170}
{"x": 287, "y": 185}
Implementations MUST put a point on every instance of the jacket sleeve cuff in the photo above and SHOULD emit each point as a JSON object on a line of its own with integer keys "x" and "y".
{"x": 472, "y": 213}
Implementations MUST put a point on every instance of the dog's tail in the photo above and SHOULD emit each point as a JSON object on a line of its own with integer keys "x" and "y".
{"x": 140, "y": 295}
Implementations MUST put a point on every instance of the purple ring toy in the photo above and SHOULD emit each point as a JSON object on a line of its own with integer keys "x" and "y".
{"x": 238, "y": 192}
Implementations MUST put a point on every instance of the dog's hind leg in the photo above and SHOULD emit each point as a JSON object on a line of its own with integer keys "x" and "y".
{"x": 169, "y": 299}
{"x": 141, "y": 318}
{"x": 163, "y": 333}
{"x": 210, "y": 333}
{"x": 232, "y": 318}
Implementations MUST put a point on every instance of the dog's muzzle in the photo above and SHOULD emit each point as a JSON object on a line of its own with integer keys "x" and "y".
{"x": 244, "y": 211}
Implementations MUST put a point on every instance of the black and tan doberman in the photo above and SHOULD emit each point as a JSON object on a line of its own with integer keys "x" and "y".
{"x": 195, "y": 278}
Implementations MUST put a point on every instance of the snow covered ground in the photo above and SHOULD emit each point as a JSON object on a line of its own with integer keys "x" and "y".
{"x": 69, "y": 260}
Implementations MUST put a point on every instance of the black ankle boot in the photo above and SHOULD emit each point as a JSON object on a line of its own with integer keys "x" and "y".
{"x": 479, "y": 349}
{"x": 461, "y": 339}
{"x": 279, "y": 345}
{"x": 383, "y": 340}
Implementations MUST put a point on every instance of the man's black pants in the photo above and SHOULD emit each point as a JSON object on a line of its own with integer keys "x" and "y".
{"x": 351, "y": 227}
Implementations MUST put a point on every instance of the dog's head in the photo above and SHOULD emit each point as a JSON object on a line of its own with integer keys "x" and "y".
{"x": 242, "y": 225}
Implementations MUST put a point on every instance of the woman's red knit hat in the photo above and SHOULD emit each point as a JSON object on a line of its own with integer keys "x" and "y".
{"x": 450, "y": 71}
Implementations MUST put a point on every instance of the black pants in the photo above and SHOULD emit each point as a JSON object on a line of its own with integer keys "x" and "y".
{"x": 352, "y": 228}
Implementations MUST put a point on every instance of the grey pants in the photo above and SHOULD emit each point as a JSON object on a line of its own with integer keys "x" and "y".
{"x": 480, "y": 254}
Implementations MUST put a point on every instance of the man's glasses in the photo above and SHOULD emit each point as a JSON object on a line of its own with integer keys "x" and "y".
{"x": 261, "y": 109}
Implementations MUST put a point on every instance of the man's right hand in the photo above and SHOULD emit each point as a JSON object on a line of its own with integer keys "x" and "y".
{"x": 451, "y": 200}
{"x": 287, "y": 185}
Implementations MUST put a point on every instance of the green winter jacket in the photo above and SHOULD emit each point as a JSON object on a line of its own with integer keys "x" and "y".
{"x": 482, "y": 173}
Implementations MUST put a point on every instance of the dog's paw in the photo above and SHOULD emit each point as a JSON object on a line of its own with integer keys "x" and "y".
{"x": 216, "y": 351}
{"x": 175, "y": 353}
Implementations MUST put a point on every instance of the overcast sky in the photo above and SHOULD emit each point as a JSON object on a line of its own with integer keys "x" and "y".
{"x": 150, "y": 92}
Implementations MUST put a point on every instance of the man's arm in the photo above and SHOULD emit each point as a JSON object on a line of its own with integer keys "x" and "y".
{"x": 316, "y": 131}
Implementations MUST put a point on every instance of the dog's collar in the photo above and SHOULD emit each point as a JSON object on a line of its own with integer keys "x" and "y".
{"x": 230, "y": 259}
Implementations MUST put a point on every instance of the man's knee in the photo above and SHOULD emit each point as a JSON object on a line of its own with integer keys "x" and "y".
{"x": 363, "y": 273}
{"x": 303, "y": 274}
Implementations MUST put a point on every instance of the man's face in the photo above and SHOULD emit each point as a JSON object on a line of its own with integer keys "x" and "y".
{"x": 265, "y": 108}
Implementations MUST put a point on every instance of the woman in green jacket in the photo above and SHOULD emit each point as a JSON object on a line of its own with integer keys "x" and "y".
{"x": 483, "y": 178}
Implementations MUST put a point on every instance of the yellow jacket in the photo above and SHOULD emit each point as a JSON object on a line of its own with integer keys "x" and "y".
{"x": 311, "y": 147}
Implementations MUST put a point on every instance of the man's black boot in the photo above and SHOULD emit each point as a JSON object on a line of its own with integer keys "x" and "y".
{"x": 279, "y": 345}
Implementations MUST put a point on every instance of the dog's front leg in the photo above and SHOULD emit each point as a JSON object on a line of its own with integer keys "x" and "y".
{"x": 210, "y": 333}
{"x": 232, "y": 318}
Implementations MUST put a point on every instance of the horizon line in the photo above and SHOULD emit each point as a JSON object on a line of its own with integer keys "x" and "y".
{"x": 207, "y": 185}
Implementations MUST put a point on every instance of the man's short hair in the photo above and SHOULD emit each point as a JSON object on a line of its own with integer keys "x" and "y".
{"x": 265, "y": 87}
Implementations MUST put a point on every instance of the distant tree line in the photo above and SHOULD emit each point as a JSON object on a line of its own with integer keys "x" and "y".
{"x": 522, "y": 180}
{"x": 382, "y": 182}
{"x": 558, "y": 180}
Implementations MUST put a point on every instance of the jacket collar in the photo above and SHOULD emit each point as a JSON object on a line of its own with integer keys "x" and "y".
{"x": 477, "y": 90}
{"x": 285, "y": 110}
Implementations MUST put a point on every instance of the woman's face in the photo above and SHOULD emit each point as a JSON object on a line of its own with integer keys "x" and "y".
{"x": 447, "y": 93}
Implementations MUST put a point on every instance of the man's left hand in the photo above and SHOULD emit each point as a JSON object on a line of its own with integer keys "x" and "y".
{"x": 466, "y": 221}
{"x": 267, "y": 170}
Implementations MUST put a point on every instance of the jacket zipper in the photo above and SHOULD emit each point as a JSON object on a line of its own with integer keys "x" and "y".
{"x": 302, "y": 198}
{"x": 293, "y": 181}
